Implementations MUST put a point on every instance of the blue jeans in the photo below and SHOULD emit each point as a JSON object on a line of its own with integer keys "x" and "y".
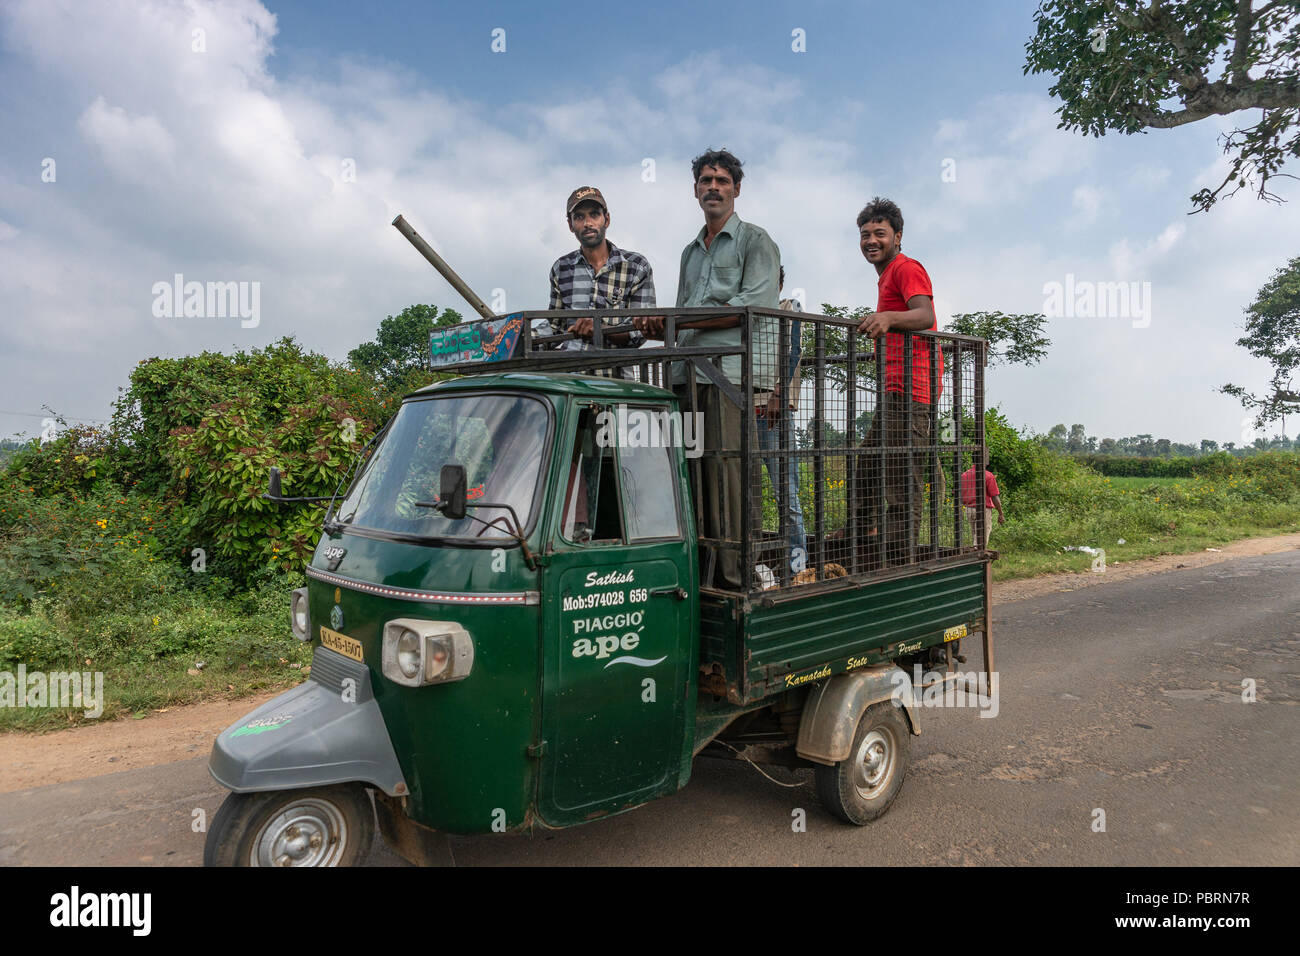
{"x": 769, "y": 440}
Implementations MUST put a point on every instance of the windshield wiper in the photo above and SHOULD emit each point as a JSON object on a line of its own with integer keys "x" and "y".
{"x": 515, "y": 532}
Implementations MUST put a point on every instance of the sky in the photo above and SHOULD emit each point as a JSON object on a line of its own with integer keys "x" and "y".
{"x": 271, "y": 144}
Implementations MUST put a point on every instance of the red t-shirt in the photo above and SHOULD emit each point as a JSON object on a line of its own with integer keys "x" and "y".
{"x": 969, "y": 484}
{"x": 903, "y": 278}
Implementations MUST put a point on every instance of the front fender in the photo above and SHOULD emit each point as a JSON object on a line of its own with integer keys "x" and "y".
{"x": 833, "y": 709}
{"x": 326, "y": 730}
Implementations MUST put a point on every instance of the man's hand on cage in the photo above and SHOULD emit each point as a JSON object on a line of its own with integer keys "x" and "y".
{"x": 650, "y": 325}
{"x": 774, "y": 404}
{"x": 877, "y": 323}
{"x": 582, "y": 327}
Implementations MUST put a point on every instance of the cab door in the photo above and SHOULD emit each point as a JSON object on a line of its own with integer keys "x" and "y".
{"x": 619, "y": 644}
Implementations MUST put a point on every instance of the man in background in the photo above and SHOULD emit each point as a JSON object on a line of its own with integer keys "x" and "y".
{"x": 972, "y": 485}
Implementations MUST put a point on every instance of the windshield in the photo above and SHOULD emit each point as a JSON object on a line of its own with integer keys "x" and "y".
{"x": 498, "y": 438}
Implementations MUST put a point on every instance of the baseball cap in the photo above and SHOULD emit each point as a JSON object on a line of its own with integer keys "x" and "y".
{"x": 584, "y": 194}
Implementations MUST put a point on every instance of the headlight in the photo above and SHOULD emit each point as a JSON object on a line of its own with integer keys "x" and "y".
{"x": 416, "y": 653}
{"x": 298, "y": 616}
{"x": 408, "y": 653}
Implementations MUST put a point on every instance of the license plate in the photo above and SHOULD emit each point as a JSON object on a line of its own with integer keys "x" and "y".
{"x": 341, "y": 644}
{"x": 953, "y": 633}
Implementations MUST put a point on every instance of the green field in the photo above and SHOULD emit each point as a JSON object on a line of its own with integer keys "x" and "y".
{"x": 91, "y": 582}
{"x": 1066, "y": 504}
{"x": 1152, "y": 516}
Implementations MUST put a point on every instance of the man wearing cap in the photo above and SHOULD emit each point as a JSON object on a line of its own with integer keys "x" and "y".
{"x": 598, "y": 275}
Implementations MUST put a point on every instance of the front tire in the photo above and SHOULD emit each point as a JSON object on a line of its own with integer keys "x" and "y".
{"x": 862, "y": 787}
{"x": 319, "y": 826}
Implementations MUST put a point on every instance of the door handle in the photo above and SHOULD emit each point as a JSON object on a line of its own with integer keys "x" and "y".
{"x": 674, "y": 592}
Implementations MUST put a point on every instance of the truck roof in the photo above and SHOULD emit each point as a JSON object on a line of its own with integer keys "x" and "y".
{"x": 597, "y": 386}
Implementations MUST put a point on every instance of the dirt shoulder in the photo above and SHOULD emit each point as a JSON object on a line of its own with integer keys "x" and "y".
{"x": 181, "y": 733}
{"x": 1005, "y": 592}
{"x": 95, "y": 749}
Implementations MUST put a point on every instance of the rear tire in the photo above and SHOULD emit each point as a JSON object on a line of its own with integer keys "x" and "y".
{"x": 862, "y": 787}
{"x": 318, "y": 826}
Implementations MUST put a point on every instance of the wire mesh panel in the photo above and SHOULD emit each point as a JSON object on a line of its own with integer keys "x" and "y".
{"x": 826, "y": 453}
{"x": 864, "y": 451}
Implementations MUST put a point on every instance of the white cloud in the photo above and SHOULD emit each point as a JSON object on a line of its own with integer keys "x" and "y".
{"x": 950, "y": 130}
{"x": 134, "y": 147}
{"x": 1087, "y": 202}
{"x": 206, "y": 164}
{"x": 1128, "y": 263}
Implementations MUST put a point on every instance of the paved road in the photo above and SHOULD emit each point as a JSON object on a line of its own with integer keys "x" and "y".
{"x": 1125, "y": 698}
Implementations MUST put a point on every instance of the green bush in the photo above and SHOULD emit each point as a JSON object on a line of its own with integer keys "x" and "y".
{"x": 107, "y": 577}
{"x": 1277, "y": 473}
{"x": 39, "y": 639}
{"x": 1127, "y": 466}
{"x": 73, "y": 463}
{"x": 204, "y": 431}
{"x": 167, "y": 395}
{"x": 1017, "y": 462}
{"x": 183, "y": 646}
{"x": 89, "y": 552}
{"x": 1282, "y": 467}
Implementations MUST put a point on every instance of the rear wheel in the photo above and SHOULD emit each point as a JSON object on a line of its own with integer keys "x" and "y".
{"x": 320, "y": 826}
{"x": 861, "y": 787}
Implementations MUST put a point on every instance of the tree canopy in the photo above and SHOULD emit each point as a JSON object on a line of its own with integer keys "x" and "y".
{"x": 1131, "y": 66}
{"x": 1013, "y": 339}
{"x": 1273, "y": 333}
{"x": 401, "y": 344}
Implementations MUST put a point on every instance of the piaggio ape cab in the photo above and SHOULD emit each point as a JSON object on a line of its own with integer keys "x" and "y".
{"x": 518, "y": 607}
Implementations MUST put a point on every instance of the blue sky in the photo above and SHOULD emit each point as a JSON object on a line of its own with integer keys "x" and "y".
{"x": 231, "y": 164}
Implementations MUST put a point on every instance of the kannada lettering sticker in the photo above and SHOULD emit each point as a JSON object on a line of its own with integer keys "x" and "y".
{"x": 607, "y": 622}
{"x": 490, "y": 340}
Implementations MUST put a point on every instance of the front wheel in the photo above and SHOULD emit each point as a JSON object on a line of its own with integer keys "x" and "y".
{"x": 320, "y": 826}
{"x": 861, "y": 787}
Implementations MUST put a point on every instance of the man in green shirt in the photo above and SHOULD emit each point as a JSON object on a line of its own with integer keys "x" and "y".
{"x": 729, "y": 262}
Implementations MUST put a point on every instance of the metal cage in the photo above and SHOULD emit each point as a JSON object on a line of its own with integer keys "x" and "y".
{"x": 839, "y": 472}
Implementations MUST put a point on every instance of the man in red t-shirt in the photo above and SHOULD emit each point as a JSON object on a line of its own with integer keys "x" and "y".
{"x": 904, "y": 303}
{"x": 970, "y": 499}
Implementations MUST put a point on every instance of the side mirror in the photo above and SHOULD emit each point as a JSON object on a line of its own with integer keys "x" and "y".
{"x": 273, "y": 485}
{"x": 451, "y": 491}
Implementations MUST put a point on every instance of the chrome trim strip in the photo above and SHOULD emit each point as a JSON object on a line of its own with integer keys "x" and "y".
{"x": 429, "y": 597}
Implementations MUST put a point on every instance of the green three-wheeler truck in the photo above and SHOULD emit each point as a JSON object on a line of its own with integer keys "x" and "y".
{"x": 517, "y": 605}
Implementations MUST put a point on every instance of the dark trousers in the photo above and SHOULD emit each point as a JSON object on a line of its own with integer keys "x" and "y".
{"x": 723, "y": 478}
{"x": 903, "y": 471}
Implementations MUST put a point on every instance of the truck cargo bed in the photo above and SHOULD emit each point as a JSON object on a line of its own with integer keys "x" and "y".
{"x": 752, "y": 649}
